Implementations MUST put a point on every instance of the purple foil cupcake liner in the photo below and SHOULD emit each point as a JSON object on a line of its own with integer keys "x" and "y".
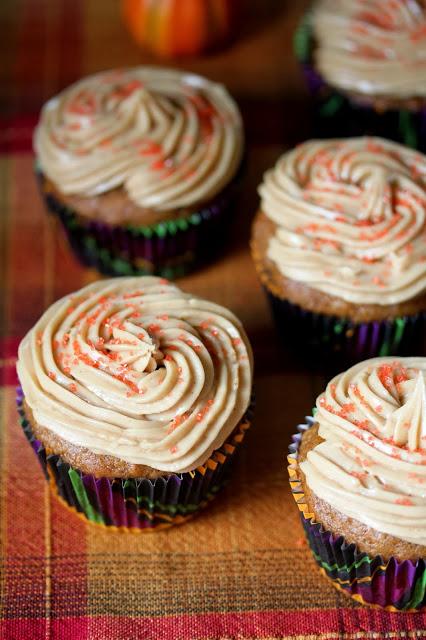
{"x": 169, "y": 249}
{"x": 391, "y": 584}
{"x": 345, "y": 341}
{"x": 137, "y": 503}
{"x": 338, "y": 115}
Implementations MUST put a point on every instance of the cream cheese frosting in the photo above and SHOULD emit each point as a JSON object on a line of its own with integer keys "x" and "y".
{"x": 137, "y": 369}
{"x": 371, "y": 465}
{"x": 171, "y": 139}
{"x": 350, "y": 218}
{"x": 372, "y": 47}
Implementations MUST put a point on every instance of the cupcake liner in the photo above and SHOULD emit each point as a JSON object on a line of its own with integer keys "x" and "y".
{"x": 169, "y": 249}
{"x": 390, "y": 584}
{"x": 338, "y": 115}
{"x": 138, "y": 504}
{"x": 342, "y": 339}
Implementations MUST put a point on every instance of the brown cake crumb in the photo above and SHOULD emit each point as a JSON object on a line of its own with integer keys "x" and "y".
{"x": 115, "y": 207}
{"x": 81, "y": 458}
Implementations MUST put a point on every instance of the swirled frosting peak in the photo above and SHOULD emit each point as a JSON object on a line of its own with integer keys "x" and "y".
{"x": 137, "y": 369}
{"x": 170, "y": 139}
{"x": 371, "y": 465}
{"x": 372, "y": 47}
{"x": 350, "y": 218}
{"x": 407, "y": 424}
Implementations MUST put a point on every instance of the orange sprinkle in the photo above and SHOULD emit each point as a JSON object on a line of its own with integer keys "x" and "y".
{"x": 416, "y": 478}
{"x": 404, "y": 501}
{"x": 361, "y": 475}
{"x": 418, "y": 34}
{"x": 349, "y": 407}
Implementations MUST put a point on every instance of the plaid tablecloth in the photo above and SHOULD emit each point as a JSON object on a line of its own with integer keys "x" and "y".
{"x": 242, "y": 569}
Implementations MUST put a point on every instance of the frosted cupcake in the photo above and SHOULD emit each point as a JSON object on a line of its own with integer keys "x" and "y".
{"x": 358, "y": 475}
{"x": 134, "y": 398}
{"x": 365, "y": 63}
{"x": 339, "y": 244}
{"x": 141, "y": 166}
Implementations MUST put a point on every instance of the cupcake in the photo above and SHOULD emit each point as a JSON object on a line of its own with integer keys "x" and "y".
{"x": 339, "y": 245}
{"x": 135, "y": 397}
{"x": 358, "y": 475}
{"x": 365, "y": 65}
{"x": 141, "y": 166}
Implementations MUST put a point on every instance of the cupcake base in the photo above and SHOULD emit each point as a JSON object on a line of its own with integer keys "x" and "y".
{"x": 339, "y": 332}
{"x": 343, "y": 340}
{"x": 337, "y": 115}
{"x": 169, "y": 249}
{"x": 389, "y": 584}
{"x": 137, "y": 504}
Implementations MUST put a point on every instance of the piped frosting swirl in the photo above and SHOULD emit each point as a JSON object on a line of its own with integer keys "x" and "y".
{"x": 372, "y": 47}
{"x": 350, "y": 218}
{"x": 170, "y": 139}
{"x": 372, "y": 463}
{"x": 137, "y": 369}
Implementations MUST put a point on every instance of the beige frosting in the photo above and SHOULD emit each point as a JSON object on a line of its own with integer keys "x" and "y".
{"x": 372, "y": 463}
{"x": 350, "y": 218}
{"x": 137, "y": 369}
{"x": 169, "y": 138}
{"x": 374, "y": 47}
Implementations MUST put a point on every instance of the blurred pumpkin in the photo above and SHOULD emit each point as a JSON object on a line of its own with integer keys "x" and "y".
{"x": 173, "y": 28}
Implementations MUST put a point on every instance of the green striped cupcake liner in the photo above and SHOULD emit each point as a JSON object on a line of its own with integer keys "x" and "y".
{"x": 336, "y": 114}
{"x": 342, "y": 341}
{"x": 169, "y": 248}
{"x": 137, "y": 504}
{"x": 391, "y": 584}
